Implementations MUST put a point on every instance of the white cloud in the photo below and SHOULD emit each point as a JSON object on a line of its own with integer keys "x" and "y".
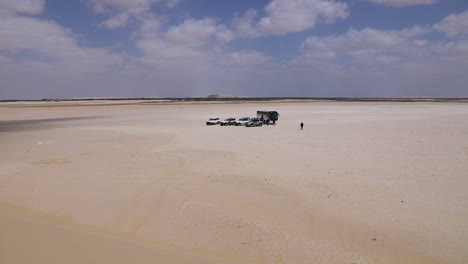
{"x": 132, "y": 6}
{"x": 125, "y": 9}
{"x": 193, "y": 44}
{"x": 34, "y": 51}
{"x": 420, "y": 42}
{"x": 403, "y": 3}
{"x": 399, "y": 62}
{"x": 190, "y": 58}
{"x": 363, "y": 43}
{"x": 163, "y": 54}
{"x": 245, "y": 25}
{"x": 456, "y": 51}
{"x": 194, "y": 32}
{"x": 245, "y": 58}
{"x": 289, "y": 16}
{"x": 116, "y": 21}
{"x": 454, "y": 25}
{"x": 286, "y": 16}
{"x": 224, "y": 34}
{"x": 151, "y": 26}
{"x": 366, "y": 51}
{"x": 52, "y": 42}
{"x": 45, "y": 37}
{"x": 373, "y": 62}
{"x": 32, "y": 7}
{"x": 179, "y": 47}
{"x": 172, "y": 3}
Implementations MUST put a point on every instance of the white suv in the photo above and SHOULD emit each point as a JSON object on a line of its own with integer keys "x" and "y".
{"x": 254, "y": 122}
{"x": 243, "y": 121}
{"x": 212, "y": 121}
{"x": 228, "y": 122}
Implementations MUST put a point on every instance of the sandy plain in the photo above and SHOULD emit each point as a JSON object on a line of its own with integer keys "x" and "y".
{"x": 151, "y": 183}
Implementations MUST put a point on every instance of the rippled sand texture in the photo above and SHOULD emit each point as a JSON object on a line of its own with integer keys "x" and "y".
{"x": 362, "y": 183}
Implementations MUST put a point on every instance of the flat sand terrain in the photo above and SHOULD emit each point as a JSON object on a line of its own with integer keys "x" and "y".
{"x": 151, "y": 183}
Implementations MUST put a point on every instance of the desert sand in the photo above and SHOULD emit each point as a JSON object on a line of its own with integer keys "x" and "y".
{"x": 151, "y": 183}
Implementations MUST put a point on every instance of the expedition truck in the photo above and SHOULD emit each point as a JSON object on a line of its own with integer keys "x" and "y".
{"x": 267, "y": 116}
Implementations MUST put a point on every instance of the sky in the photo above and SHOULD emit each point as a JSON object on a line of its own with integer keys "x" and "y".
{"x": 260, "y": 48}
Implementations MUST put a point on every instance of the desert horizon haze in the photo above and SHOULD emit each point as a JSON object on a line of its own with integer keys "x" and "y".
{"x": 178, "y": 48}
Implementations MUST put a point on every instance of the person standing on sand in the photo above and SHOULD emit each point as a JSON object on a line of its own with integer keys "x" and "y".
{"x": 302, "y": 126}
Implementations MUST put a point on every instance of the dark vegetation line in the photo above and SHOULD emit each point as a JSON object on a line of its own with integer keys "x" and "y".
{"x": 243, "y": 99}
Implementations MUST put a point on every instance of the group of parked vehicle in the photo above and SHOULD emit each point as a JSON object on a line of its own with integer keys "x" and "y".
{"x": 244, "y": 121}
{"x": 263, "y": 117}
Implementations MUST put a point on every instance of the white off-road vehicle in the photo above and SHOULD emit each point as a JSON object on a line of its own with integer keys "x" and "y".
{"x": 228, "y": 122}
{"x": 213, "y": 121}
{"x": 254, "y": 122}
{"x": 243, "y": 121}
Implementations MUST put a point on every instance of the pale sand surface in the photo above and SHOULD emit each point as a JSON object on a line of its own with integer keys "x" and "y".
{"x": 363, "y": 183}
{"x": 33, "y": 238}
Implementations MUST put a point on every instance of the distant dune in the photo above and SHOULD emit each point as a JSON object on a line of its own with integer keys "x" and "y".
{"x": 211, "y": 96}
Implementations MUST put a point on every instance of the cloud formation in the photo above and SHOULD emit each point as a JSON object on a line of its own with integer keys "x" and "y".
{"x": 120, "y": 11}
{"x": 193, "y": 44}
{"x": 245, "y": 58}
{"x": 116, "y": 21}
{"x": 454, "y": 25}
{"x": 403, "y": 3}
{"x": 49, "y": 43}
{"x": 191, "y": 56}
{"x": 172, "y": 3}
{"x": 194, "y": 32}
{"x": 363, "y": 43}
{"x": 395, "y": 62}
{"x": 32, "y": 7}
{"x": 286, "y": 16}
{"x": 130, "y": 6}
{"x": 289, "y": 16}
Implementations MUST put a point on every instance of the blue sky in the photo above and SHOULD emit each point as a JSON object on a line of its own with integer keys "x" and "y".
{"x": 160, "y": 48}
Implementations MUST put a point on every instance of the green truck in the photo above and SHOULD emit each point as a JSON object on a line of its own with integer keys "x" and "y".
{"x": 267, "y": 116}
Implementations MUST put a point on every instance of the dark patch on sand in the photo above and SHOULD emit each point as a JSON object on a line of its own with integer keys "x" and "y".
{"x": 39, "y": 124}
